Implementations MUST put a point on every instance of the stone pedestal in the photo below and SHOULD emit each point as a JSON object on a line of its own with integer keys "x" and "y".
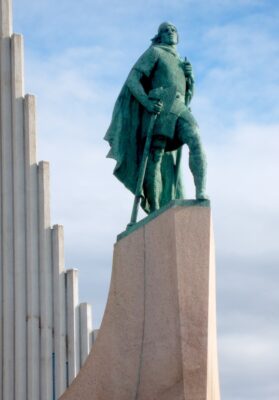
{"x": 158, "y": 337}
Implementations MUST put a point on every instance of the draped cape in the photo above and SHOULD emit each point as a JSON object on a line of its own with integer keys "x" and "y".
{"x": 125, "y": 137}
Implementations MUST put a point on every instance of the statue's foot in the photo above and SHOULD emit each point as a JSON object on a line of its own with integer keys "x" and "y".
{"x": 200, "y": 195}
{"x": 154, "y": 205}
{"x": 154, "y": 208}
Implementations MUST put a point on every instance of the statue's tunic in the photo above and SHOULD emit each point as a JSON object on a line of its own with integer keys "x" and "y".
{"x": 165, "y": 66}
{"x": 160, "y": 67}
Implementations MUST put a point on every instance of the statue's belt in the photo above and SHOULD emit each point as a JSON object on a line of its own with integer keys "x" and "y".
{"x": 173, "y": 106}
{"x": 172, "y": 100}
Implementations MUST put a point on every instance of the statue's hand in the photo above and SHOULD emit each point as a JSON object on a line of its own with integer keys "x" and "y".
{"x": 187, "y": 68}
{"x": 154, "y": 106}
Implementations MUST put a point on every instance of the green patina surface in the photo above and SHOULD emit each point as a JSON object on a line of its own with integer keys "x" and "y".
{"x": 172, "y": 204}
{"x": 160, "y": 83}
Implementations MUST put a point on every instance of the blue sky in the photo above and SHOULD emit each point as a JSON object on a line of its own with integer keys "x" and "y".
{"x": 77, "y": 56}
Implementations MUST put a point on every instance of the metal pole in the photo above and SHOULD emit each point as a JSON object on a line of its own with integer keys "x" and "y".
{"x": 142, "y": 170}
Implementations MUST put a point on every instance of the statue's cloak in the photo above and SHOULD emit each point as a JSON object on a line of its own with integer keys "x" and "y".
{"x": 125, "y": 138}
{"x": 127, "y": 132}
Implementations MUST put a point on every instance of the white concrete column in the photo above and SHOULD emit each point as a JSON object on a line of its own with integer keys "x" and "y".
{"x": 213, "y": 384}
{"x": 1, "y": 282}
{"x": 5, "y": 18}
{"x": 94, "y": 335}
{"x": 59, "y": 300}
{"x": 32, "y": 251}
{"x": 85, "y": 313}
{"x": 72, "y": 323}
{"x": 7, "y": 215}
{"x": 19, "y": 218}
{"x": 45, "y": 279}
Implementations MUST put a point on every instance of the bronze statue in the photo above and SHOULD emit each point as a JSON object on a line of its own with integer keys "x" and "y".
{"x": 155, "y": 101}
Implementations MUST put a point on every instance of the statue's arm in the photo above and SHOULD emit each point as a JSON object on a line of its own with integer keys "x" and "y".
{"x": 135, "y": 86}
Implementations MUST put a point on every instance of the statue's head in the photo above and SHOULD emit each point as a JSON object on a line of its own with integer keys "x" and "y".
{"x": 167, "y": 34}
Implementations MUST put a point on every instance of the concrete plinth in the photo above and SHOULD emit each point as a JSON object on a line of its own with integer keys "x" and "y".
{"x": 158, "y": 337}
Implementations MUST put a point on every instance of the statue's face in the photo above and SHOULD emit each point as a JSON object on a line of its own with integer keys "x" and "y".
{"x": 168, "y": 35}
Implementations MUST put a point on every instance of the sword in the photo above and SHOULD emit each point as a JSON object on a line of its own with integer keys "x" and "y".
{"x": 142, "y": 170}
{"x": 167, "y": 97}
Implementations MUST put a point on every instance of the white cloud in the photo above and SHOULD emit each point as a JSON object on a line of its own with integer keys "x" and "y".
{"x": 238, "y": 83}
{"x": 245, "y": 196}
{"x": 254, "y": 355}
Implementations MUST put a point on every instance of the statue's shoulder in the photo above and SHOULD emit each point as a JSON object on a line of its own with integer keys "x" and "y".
{"x": 147, "y": 60}
{"x": 154, "y": 52}
{"x": 151, "y": 54}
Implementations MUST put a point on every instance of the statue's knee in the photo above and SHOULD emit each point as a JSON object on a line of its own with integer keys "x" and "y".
{"x": 158, "y": 142}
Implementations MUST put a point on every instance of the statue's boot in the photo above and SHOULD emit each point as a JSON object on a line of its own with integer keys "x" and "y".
{"x": 153, "y": 179}
{"x": 197, "y": 164}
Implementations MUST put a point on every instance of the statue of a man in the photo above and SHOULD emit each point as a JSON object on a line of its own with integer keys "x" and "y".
{"x": 160, "y": 67}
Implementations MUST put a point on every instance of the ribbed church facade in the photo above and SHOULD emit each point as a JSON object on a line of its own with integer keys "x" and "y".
{"x": 45, "y": 334}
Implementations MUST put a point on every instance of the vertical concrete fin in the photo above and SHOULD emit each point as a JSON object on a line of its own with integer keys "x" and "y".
{"x": 19, "y": 216}
{"x": 5, "y": 18}
{"x": 7, "y": 215}
{"x": 17, "y": 66}
{"x": 94, "y": 335}
{"x": 32, "y": 250}
{"x": 45, "y": 279}
{"x": 44, "y": 194}
{"x": 59, "y": 308}
{"x": 85, "y": 313}
{"x": 213, "y": 386}
{"x": 30, "y": 130}
{"x": 1, "y": 279}
{"x": 1, "y": 275}
{"x": 72, "y": 323}
{"x": 1, "y": 272}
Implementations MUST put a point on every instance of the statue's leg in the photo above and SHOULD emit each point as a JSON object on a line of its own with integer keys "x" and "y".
{"x": 153, "y": 179}
{"x": 188, "y": 133}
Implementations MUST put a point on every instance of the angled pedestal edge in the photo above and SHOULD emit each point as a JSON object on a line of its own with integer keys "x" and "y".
{"x": 158, "y": 338}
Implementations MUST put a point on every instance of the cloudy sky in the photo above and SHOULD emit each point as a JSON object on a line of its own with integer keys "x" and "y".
{"x": 77, "y": 56}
